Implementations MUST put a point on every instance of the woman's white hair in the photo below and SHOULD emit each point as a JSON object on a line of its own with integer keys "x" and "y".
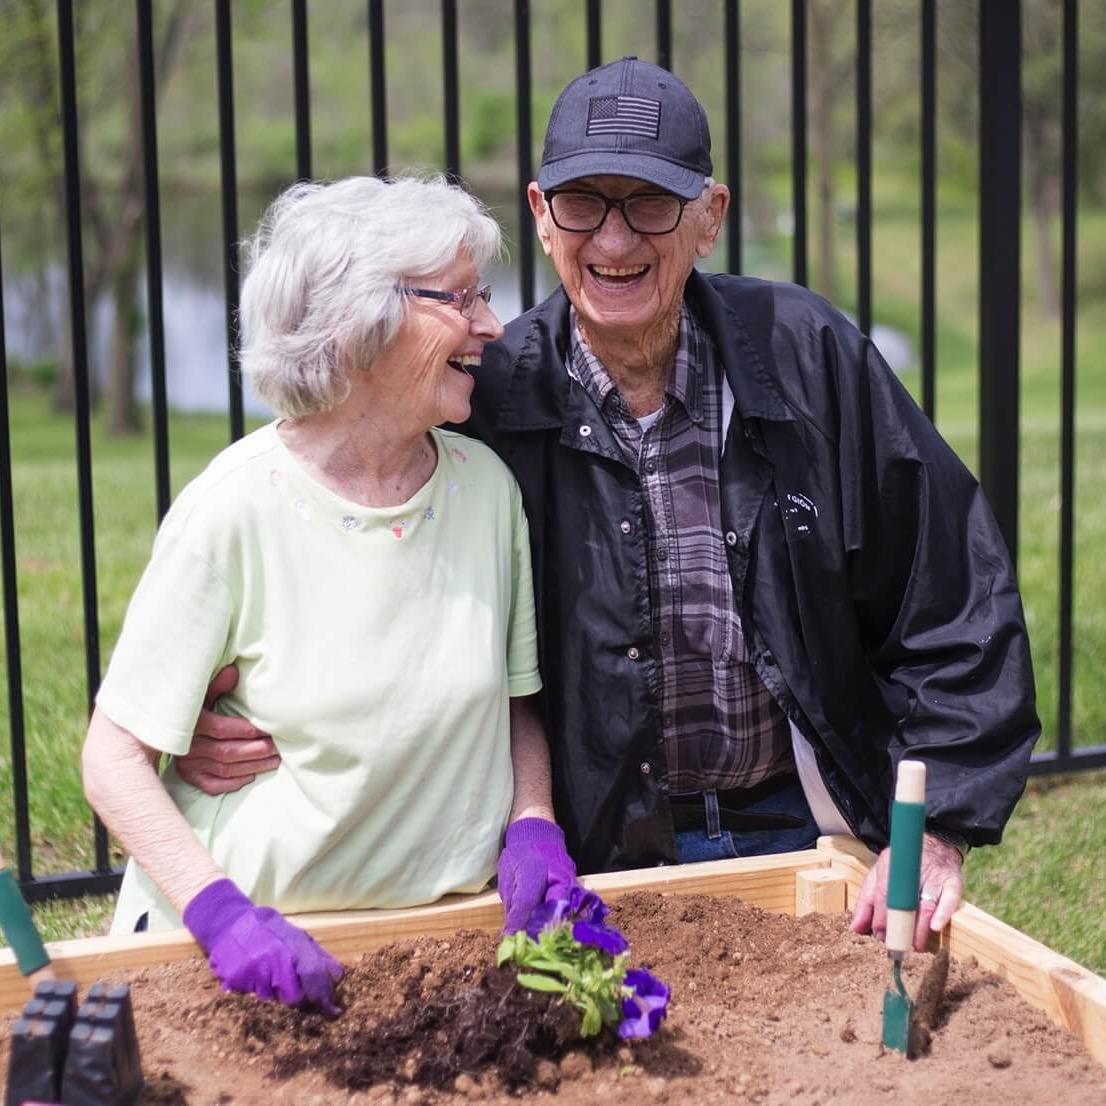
{"x": 320, "y": 297}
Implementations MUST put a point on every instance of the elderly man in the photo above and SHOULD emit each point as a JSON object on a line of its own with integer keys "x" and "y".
{"x": 762, "y": 578}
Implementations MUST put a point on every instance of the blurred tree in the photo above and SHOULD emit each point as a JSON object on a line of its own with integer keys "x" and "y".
{"x": 112, "y": 209}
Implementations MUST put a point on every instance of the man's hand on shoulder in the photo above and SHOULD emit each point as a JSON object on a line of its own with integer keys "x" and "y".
{"x": 226, "y": 752}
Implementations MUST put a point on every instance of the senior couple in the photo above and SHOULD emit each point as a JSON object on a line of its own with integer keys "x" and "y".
{"x": 753, "y": 574}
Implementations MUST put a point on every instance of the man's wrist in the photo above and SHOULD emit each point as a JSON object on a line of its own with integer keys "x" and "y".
{"x": 950, "y": 837}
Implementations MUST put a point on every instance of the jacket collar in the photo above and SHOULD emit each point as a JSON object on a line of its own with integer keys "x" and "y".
{"x": 537, "y": 396}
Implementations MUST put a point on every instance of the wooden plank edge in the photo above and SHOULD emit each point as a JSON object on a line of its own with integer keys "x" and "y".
{"x": 1069, "y": 994}
{"x": 767, "y": 882}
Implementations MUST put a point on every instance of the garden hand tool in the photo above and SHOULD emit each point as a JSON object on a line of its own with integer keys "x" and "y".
{"x": 19, "y": 929}
{"x": 908, "y": 815}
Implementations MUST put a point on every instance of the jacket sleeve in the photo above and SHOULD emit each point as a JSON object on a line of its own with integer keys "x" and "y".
{"x": 936, "y": 599}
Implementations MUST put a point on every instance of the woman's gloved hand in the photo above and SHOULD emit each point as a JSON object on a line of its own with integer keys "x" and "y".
{"x": 534, "y": 867}
{"x": 253, "y": 949}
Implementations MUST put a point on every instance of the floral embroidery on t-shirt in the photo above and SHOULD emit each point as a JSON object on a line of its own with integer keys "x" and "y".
{"x": 397, "y": 526}
{"x": 428, "y": 514}
{"x": 451, "y": 487}
{"x": 459, "y": 454}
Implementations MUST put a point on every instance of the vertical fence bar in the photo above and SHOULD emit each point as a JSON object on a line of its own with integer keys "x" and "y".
{"x": 929, "y": 206}
{"x": 864, "y": 164}
{"x": 525, "y": 152}
{"x": 593, "y": 15}
{"x": 228, "y": 177}
{"x": 18, "y": 744}
{"x": 1069, "y": 187}
{"x": 378, "y": 88}
{"x": 732, "y": 62}
{"x": 664, "y": 34}
{"x": 1000, "y": 119}
{"x": 67, "y": 73}
{"x": 798, "y": 139}
{"x": 451, "y": 90}
{"x": 301, "y": 82}
{"x": 155, "y": 307}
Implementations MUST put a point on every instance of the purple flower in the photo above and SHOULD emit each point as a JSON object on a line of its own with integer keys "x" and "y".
{"x": 604, "y": 938}
{"x": 645, "y": 1007}
{"x": 580, "y": 906}
{"x": 546, "y": 914}
{"x": 587, "y": 905}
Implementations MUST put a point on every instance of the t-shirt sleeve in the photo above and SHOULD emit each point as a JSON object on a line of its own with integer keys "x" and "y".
{"x": 522, "y": 635}
{"x": 175, "y": 637}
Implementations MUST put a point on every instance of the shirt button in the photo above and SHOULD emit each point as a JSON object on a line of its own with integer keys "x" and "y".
{"x": 696, "y": 416}
{"x": 731, "y": 538}
{"x": 650, "y": 466}
{"x": 625, "y": 526}
{"x": 666, "y": 637}
{"x": 633, "y": 652}
{"x": 645, "y": 768}
{"x": 585, "y": 431}
{"x": 662, "y": 554}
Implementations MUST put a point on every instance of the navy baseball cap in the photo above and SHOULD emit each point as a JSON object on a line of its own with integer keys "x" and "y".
{"x": 629, "y": 119}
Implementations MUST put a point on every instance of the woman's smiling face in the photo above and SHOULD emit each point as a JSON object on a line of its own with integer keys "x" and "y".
{"x": 427, "y": 363}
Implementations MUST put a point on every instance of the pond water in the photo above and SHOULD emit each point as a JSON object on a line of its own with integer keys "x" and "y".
{"x": 36, "y": 311}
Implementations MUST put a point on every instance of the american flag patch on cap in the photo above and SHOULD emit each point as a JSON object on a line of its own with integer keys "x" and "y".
{"x": 624, "y": 115}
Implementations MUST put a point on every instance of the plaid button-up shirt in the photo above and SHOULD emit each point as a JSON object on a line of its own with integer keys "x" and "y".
{"x": 720, "y": 725}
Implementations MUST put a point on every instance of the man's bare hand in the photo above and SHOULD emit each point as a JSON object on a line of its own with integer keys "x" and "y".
{"x": 941, "y": 889}
{"x": 226, "y": 753}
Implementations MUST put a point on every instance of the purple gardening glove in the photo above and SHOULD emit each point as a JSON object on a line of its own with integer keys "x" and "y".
{"x": 254, "y": 950}
{"x": 533, "y": 868}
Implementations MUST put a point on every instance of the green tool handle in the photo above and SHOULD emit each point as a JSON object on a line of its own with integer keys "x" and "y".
{"x": 18, "y": 926}
{"x": 908, "y": 818}
{"x": 907, "y": 826}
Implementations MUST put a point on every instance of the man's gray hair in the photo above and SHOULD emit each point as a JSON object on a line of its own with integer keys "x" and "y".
{"x": 320, "y": 297}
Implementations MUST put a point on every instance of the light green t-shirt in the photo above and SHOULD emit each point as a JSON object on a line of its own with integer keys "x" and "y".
{"x": 378, "y": 646}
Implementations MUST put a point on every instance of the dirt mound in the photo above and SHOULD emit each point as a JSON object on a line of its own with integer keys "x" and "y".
{"x": 765, "y": 1009}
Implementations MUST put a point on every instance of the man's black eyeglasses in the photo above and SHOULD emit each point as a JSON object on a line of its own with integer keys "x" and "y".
{"x": 643, "y": 212}
{"x": 465, "y": 299}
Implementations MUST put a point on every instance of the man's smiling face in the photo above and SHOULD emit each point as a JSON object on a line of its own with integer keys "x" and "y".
{"x": 621, "y": 282}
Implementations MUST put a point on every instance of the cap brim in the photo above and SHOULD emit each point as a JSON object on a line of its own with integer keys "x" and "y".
{"x": 686, "y": 183}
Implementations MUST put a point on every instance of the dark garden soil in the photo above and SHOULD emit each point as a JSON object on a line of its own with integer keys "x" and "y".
{"x": 765, "y": 1009}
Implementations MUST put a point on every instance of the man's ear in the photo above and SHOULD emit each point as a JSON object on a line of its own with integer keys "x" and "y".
{"x": 540, "y": 210}
{"x": 717, "y": 204}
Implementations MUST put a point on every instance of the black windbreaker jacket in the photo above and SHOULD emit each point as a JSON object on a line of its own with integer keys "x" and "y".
{"x": 875, "y": 590}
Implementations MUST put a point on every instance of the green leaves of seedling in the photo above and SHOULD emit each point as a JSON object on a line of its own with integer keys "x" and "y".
{"x": 557, "y": 963}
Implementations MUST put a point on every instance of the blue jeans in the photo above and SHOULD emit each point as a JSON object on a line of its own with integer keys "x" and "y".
{"x": 693, "y": 845}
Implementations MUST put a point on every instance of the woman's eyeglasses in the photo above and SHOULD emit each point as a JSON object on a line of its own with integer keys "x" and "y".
{"x": 464, "y": 300}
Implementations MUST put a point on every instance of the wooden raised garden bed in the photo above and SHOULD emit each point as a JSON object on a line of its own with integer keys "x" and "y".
{"x": 825, "y": 880}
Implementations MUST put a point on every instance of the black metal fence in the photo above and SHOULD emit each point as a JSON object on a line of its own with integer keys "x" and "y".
{"x": 1000, "y": 129}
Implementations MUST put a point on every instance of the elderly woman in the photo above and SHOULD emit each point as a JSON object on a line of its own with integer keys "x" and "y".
{"x": 369, "y": 576}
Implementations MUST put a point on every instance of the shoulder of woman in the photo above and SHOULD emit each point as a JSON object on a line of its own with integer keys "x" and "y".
{"x": 229, "y": 483}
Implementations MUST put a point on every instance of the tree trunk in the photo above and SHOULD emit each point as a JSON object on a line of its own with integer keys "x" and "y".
{"x": 824, "y": 18}
{"x": 126, "y": 326}
{"x": 1042, "y": 189}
